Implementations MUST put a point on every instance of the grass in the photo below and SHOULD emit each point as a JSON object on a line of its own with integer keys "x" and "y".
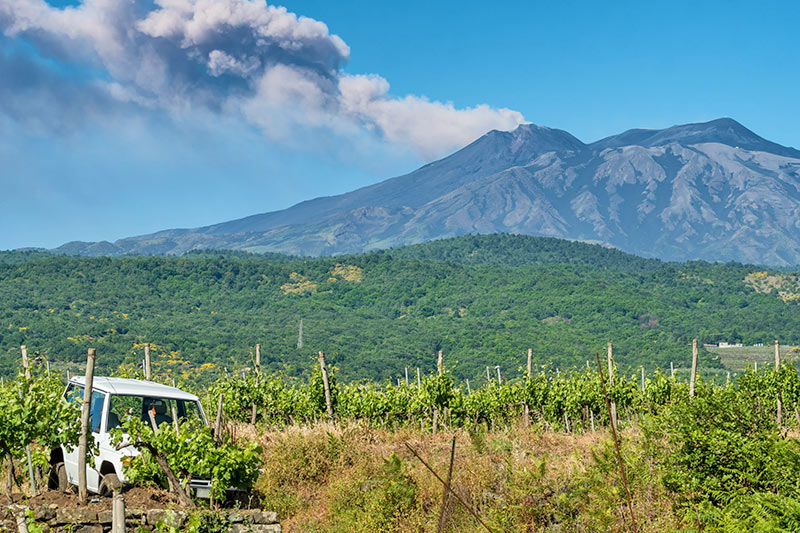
{"x": 739, "y": 358}
{"x": 351, "y": 478}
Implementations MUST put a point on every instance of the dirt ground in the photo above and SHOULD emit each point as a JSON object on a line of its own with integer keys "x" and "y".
{"x": 135, "y": 498}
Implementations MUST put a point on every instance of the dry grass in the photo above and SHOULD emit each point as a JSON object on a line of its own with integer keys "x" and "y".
{"x": 328, "y": 477}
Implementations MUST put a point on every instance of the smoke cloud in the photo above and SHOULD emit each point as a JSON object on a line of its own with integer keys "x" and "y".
{"x": 278, "y": 71}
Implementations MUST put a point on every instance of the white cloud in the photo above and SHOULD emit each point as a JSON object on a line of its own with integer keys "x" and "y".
{"x": 432, "y": 127}
{"x": 279, "y": 71}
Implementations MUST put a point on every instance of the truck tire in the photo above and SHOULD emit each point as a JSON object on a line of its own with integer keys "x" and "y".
{"x": 108, "y": 484}
{"x": 57, "y": 480}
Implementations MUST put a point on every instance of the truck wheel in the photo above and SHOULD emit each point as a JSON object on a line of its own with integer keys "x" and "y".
{"x": 108, "y": 484}
{"x": 57, "y": 480}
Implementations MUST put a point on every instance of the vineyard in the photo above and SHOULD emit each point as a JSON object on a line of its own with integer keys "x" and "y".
{"x": 720, "y": 457}
{"x": 556, "y": 401}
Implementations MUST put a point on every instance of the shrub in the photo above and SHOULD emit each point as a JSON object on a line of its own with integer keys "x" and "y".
{"x": 188, "y": 451}
{"x": 721, "y": 446}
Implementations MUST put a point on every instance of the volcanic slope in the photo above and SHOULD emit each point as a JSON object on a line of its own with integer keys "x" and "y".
{"x": 714, "y": 191}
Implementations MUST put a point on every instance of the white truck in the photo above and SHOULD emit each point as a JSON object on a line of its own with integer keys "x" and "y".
{"x": 113, "y": 399}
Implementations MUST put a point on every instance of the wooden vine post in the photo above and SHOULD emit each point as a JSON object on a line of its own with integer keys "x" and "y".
{"x": 693, "y": 376}
{"x": 439, "y": 364}
{"x": 82, "y": 441}
{"x": 324, "y": 370}
{"x": 779, "y": 417}
{"x": 616, "y": 444}
{"x": 147, "y": 373}
{"x": 218, "y": 425}
{"x": 530, "y": 363}
{"x": 526, "y": 412}
{"x": 446, "y": 489}
{"x": 455, "y": 495}
{"x": 22, "y": 523}
{"x": 118, "y": 513}
{"x": 258, "y": 372}
{"x": 27, "y": 367}
{"x": 613, "y": 409}
{"x": 642, "y": 379}
{"x": 25, "y": 363}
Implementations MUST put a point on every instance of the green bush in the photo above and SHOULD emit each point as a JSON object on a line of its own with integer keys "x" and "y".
{"x": 721, "y": 445}
{"x": 33, "y": 412}
{"x": 191, "y": 451}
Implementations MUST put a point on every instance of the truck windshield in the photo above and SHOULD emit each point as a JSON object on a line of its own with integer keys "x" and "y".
{"x": 75, "y": 394}
{"x": 165, "y": 410}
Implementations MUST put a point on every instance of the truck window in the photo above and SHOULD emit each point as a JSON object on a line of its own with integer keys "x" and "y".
{"x": 96, "y": 411}
{"x": 74, "y": 394}
{"x": 121, "y": 407}
{"x": 164, "y": 410}
{"x": 192, "y": 411}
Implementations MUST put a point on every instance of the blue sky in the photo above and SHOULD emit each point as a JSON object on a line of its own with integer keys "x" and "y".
{"x": 119, "y": 119}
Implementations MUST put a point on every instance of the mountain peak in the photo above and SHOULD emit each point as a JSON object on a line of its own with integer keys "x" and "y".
{"x": 722, "y": 130}
{"x": 530, "y": 140}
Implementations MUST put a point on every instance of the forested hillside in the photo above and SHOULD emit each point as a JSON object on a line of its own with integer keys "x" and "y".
{"x": 376, "y": 313}
{"x": 522, "y": 250}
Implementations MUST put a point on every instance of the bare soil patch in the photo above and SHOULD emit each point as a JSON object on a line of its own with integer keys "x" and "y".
{"x": 144, "y": 498}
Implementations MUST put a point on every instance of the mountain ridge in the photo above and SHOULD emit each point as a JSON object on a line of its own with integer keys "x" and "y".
{"x": 712, "y": 190}
{"x": 722, "y": 130}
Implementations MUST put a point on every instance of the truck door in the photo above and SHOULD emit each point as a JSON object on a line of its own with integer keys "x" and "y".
{"x": 75, "y": 393}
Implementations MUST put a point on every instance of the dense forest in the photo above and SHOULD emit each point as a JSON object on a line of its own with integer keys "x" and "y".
{"x": 483, "y": 300}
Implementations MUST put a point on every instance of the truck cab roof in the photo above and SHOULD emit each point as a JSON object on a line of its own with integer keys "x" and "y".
{"x": 135, "y": 387}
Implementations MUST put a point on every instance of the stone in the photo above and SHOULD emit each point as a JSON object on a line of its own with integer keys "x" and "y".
{"x": 133, "y": 513}
{"x": 176, "y": 518}
{"x": 44, "y": 513}
{"x": 264, "y": 517}
{"x": 255, "y": 528}
{"x": 256, "y": 516}
{"x": 268, "y": 517}
{"x": 166, "y": 517}
{"x": 93, "y": 528}
{"x": 105, "y": 517}
{"x": 154, "y": 516}
{"x": 266, "y": 528}
{"x": 16, "y": 508}
{"x": 75, "y": 515}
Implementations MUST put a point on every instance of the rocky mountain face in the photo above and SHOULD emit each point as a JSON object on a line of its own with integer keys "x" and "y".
{"x": 713, "y": 191}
